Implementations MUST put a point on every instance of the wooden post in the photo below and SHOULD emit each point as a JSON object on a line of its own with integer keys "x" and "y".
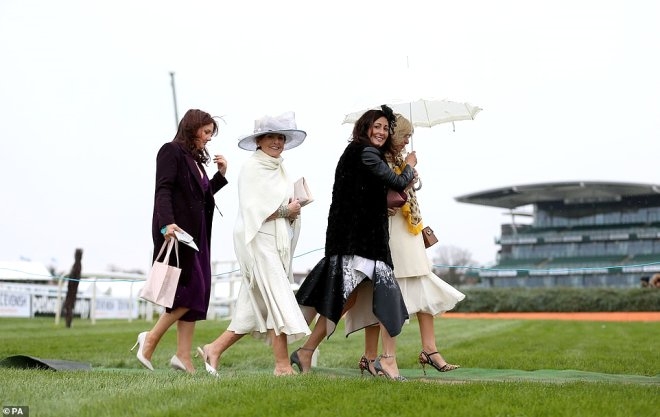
{"x": 72, "y": 287}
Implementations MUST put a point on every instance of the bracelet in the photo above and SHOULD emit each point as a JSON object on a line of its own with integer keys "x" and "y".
{"x": 283, "y": 211}
{"x": 163, "y": 230}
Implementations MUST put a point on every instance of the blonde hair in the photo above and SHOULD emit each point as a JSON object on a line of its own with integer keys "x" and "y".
{"x": 403, "y": 128}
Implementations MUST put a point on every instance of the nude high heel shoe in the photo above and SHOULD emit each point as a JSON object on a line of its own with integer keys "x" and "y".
{"x": 140, "y": 356}
{"x": 207, "y": 365}
{"x": 177, "y": 365}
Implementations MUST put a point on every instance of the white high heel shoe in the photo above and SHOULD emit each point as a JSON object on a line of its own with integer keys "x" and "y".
{"x": 140, "y": 357}
{"x": 211, "y": 370}
{"x": 177, "y": 365}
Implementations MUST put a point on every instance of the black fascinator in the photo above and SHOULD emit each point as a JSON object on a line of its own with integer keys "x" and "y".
{"x": 389, "y": 115}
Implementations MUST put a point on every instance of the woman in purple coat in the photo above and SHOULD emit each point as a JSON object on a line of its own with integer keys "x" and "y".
{"x": 184, "y": 201}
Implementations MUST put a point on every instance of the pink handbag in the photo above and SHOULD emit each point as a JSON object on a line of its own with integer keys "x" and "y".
{"x": 160, "y": 287}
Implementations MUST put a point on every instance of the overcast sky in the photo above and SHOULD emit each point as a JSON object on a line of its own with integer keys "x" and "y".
{"x": 569, "y": 91}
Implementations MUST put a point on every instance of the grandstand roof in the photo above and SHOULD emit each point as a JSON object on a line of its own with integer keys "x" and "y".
{"x": 570, "y": 192}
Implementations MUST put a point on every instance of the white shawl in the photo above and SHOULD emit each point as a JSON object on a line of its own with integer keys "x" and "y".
{"x": 263, "y": 186}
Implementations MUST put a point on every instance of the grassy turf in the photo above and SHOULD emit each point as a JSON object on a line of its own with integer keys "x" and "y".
{"x": 510, "y": 368}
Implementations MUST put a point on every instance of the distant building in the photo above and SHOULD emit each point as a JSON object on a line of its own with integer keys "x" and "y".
{"x": 582, "y": 234}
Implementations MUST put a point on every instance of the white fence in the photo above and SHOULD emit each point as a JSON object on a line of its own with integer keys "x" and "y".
{"x": 97, "y": 296}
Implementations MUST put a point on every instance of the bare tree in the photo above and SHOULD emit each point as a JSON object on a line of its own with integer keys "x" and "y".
{"x": 446, "y": 261}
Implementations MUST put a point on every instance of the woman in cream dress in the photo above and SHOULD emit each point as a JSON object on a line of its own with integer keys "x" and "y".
{"x": 265, "y": 235}
{"x": 424, "y": 293}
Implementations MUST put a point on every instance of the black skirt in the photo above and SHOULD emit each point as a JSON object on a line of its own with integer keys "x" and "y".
{"x": 331, "y": 283}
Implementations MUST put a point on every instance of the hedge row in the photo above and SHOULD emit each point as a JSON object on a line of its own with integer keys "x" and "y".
{"x": 558, "y": 300}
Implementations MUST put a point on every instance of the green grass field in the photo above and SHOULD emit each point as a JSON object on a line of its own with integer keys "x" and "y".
{"x": 509, "y": 368}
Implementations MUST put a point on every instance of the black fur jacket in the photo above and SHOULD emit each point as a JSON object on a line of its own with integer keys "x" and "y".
{"x": 357, "y": 222}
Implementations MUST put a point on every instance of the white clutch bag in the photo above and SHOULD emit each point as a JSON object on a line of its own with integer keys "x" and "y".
{"x": 301, "y": 192}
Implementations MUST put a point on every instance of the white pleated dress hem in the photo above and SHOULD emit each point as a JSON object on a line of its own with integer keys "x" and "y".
{"x": 428, "y": 294}
{"x": 270, "y": 304}
{"x": 422, "y": 290}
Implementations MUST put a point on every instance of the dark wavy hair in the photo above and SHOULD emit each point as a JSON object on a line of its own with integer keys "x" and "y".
{"x": 187, "y": 131}
{"x": 364, "y": 123}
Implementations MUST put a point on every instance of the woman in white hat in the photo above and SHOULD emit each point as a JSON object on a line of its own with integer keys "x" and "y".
{"x": 265, "y": 234}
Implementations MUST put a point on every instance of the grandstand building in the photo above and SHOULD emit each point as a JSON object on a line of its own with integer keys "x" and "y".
{"x": 581, "y": 234}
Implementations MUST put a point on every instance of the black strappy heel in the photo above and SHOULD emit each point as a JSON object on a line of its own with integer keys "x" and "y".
{"x": 296, "y": 360}
{"x": 379, "y": 369}
{"x": 425, "y": 358}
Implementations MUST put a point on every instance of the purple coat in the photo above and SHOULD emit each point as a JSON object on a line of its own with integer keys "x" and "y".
{"x": 179, "y": 198}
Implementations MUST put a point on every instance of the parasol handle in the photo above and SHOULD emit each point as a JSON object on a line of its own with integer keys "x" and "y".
{"x": 418, "y": 184}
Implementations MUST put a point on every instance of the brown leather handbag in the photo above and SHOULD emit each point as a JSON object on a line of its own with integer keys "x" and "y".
{"x": 429, "y": 237}
{"x": 396, "y": 198}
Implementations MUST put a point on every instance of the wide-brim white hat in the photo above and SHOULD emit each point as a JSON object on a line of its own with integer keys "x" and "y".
{"x": 284, "y": 124}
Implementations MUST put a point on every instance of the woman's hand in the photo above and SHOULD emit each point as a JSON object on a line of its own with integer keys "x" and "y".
{"x": 294, "y": 209}
{"x": 291, "y": 212}
{"x": 170, "y": 229}
{"x": 391, "y": 211}
{"x": 221, "y": 162}
{"x": 411, "y": 159}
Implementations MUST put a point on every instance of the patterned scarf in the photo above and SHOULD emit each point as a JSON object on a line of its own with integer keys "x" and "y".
{"x": 410, "y": 210}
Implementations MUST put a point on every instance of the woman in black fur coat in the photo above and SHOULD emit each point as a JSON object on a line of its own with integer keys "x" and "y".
{"x": 355, "y": 279}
